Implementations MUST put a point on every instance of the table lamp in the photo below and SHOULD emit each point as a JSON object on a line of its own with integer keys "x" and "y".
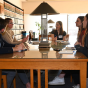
{"x": 44, "y": 10}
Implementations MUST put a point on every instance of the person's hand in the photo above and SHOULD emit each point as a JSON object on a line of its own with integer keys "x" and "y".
{"x": 19, "y": 47}
{"x": 25, "y": 39}
{"x": 55, "y": 38}
{"x": 19, "y": 54}
{"x": 53, "y": 43}
{"x": 77, "y": 43}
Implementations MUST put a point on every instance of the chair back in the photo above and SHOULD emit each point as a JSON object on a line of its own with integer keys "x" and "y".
{"x": 49, "y": 36}
{"x": 67, "y": 37}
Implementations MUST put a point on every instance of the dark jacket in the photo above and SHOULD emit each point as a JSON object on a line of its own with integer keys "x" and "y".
{"x": 5, "y": 47}
{"x": 84, "y": 49}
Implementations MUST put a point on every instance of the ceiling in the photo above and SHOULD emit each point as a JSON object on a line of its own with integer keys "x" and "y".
{"x": 56, "y": 0}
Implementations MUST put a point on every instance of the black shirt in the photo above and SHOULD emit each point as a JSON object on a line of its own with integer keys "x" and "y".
{"x": 59, "y": 37}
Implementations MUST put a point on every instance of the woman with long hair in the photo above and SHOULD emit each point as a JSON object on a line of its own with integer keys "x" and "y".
{"x": 59, "y": 80}
{"x": 81, "y": 30}
{"x": 58, "y": 34}
{"x": 83, "y": 48}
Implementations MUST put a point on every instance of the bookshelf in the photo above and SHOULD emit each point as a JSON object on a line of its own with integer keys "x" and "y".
{"x": 17, "y": 15}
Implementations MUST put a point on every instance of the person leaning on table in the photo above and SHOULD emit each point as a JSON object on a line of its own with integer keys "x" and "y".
{"x": 59, "y": 80}
{"x": 84, "y": 48}
{"x": 10, "y": 48}
{"x": 4, "y": 46}
{"x": 58, "y": 34}
{"x": 8, "y": 36}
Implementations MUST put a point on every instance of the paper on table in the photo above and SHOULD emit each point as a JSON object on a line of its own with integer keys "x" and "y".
{"x": 70, "y": 48}
{"x": 66, "y": 52}
{"x": 35, "y": 42}
{"x": 59, "y": 40}
{"x": 65, "y": 42}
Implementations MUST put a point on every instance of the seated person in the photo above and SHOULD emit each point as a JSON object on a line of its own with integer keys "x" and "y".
{"x": 10, "y": 48}
{"x": 8, "y": 35}
{"x": 81, "y": 31}
{"x": 59, "y": 80}
{"x": 58, "y": 34}
{"x": 83, "y": 48}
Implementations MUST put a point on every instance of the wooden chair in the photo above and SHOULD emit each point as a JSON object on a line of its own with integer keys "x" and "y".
{"x": 67, "y": 37}
{"x": 4, "y": 77}
{"x": 70, "y": 78}
{"x": 48, "y": 36}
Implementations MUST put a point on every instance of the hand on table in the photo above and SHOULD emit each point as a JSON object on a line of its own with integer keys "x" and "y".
{"x": 19, "y": 47}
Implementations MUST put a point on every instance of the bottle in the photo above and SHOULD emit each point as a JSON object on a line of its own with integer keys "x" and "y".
{"x": 29, "y": 36}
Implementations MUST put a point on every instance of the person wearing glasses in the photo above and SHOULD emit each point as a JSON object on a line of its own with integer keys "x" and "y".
{"x": 8, "y": 35}
{"x": 6, "y": 48}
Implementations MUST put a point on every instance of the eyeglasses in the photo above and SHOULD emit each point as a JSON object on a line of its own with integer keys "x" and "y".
{"x": 11, "y": 23}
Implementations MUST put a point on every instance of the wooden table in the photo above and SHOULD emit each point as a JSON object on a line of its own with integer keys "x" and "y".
{"x": 33, "y": 59}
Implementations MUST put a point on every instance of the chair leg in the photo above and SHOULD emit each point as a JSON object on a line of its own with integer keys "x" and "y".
{"x": 14, "y": 82}
{"x": 4, "y": 77}
{"x": 71, "y": 78}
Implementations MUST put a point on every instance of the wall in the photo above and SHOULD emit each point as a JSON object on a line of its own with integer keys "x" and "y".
{"x": 1, "y": 1}
{"x": 29, "y": 22}
{"x": 61, "y": 7}
{"x": 16, "y": 2}
{"x": 69, "y": 6}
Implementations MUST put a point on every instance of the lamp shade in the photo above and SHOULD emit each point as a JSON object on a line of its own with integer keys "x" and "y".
{"x": 44, "y": 8}
{"x": 50, "y": 21}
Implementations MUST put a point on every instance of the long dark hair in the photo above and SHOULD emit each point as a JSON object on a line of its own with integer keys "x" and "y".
{"x": 87, "y": 22}
{"x": 81, "y": 18}
{"x": 61, "y": 29}
{"x": 83, "y": 40}
{"x": 80, "y": 30}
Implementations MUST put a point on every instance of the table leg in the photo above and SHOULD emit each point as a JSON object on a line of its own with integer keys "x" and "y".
{"x": 0, "y": 77}
{"x": 31, "y": 78}
{"x": 39, "y": 79}
{"x": 83, "y": 74}
{"x": 46, "y": 78}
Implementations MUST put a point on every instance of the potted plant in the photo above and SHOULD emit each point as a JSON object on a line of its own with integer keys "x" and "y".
{"x": 38, "y": 25}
